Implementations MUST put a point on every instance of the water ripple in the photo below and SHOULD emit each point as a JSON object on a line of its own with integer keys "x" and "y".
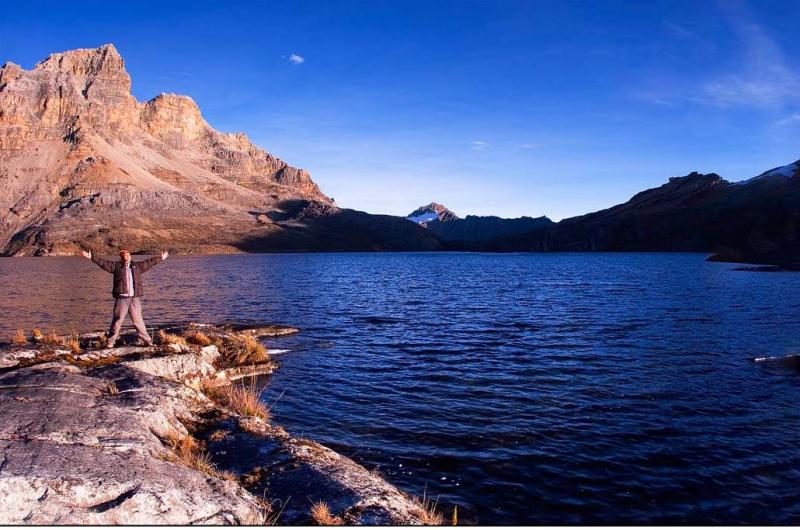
{"x": 559, "y": 388}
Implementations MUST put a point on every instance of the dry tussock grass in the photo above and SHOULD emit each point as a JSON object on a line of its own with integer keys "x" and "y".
{"x": 111, "y": 388}
{"x": 73, "y": 344}
{"x": 241, "y": 399}
{"x": 253, "y": 477}
{"x": 51, "y": 339}
{"x": 218, "y": 435}
{"x": 265, "y": 516}
{"x": 36, "y": 333}
{"x": 163, "y": 337}
{"x": 243, "y": 348}
{"x": 19, "y": 338}
{"x": 321, "y": 515}
{"x": 197, "y": 337}
{"x": 92, "y": 363}
{"x": 428, "y": 511}
{"x": 188, "y": 451}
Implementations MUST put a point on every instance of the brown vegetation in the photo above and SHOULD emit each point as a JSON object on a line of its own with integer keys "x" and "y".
{"x": 36, "y": 333}
{"x": 111, "y": 388}
{"x": 241, "y": 399}
{"x": 428, "y": 513}
{"x": 218, "y": 435}
{"x": 243, "y": 348}
{"x": 19, "y": 338}
{"x": 253, "y": 477}
{"x": 51, "y": 339}
{"x": 73, "y": 344}
{"x": 321, "y": 514}
{"x": 197, "y": 337}
{"x": 163, "y": 337}
{"x": 92, "y": 363}
{"x": 188, "y": 451}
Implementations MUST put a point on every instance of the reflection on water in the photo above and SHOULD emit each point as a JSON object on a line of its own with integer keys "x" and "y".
{"x": 569, "y": 388}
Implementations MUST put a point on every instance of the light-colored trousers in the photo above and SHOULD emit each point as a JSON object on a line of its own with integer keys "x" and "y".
{"x": 123, "y": 306}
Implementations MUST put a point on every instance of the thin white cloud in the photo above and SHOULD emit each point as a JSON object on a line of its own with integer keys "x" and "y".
{"x": 789, "y": 120}
{"x": 764, "y": 77}
{"x": 296, "y": 59}
{"x": 677, "y": 30}
{"x": 530, "y": 146}
{"x": 478, "y": 145}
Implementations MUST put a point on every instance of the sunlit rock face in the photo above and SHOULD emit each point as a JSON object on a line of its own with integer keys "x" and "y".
{"x": 83, "y": 163}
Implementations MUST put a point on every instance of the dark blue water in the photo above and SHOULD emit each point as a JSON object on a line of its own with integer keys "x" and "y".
{"x": 555, "y": 388}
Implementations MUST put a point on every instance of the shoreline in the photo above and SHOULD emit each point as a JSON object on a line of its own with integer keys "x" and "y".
{"x": 754, "y": 264}
{"x": 161, "y": 435}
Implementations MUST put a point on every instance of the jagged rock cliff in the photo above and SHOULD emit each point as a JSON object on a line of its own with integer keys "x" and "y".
{"x": 83, "y": 163}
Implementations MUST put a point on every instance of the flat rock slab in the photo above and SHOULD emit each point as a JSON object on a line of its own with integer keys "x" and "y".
{"x": 295, "y": 473}
{"x": 72, "y": 453}
{"x": 82, "y": 442}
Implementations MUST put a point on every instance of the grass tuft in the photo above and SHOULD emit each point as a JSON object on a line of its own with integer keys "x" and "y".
{"x": 218, "y": 435}
{"x": 428, "y": 511}
{"x": 230, "y": 476}
{"x": 243, "y": 348}
{"x": 163, "y": 337}
{"x": 202, "y": 462}
{"x": 191, "y": 453}
{"x": 321, "y": 515}
{"x": 111, "y": 388}
{"x": 241, "y": 399}
{"x": 36, "y": 333}
{"x": 19, "y": 338}
{"x": 253, "y": 477}
{"x": 73, "y": 344}
{"x": 51, "y": 339}
{"x": 197, "y": 337}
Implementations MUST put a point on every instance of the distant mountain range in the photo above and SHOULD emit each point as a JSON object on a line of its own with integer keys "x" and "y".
{"x": 83, "y": 164}
{"x": 454, "y": 231}
{"x": 756, "y": 221}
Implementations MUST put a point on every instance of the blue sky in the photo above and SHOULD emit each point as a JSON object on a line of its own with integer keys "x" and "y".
{"x": 505, "y": 108}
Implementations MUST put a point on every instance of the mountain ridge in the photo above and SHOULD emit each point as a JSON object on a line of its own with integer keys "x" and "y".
{"x": 84, "y": 164}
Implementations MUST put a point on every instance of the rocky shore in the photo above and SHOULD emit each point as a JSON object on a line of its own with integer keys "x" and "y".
{"x": 166, "y": 435}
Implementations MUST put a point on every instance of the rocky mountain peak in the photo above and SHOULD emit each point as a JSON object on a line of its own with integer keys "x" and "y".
{"x": 174, "y": 119}
{"x": 81, "y": 158}
{"x": 8, "y": 72}
{"x": 86, "y": 61}
{"x": 429, "y": 212}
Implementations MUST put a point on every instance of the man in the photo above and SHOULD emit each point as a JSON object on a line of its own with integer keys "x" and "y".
{"x": 127, "y": 290}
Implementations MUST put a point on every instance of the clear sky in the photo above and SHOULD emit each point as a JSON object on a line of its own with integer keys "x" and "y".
{"x": 489, "y": 107}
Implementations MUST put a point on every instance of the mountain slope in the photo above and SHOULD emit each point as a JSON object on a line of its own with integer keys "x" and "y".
{"x": 83, "y": 163}
{"x": 756, "y": 220}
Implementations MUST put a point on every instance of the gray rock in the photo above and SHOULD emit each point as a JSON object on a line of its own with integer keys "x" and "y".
{"x": 72, "y": 453}
{"x": 82, "y": 442}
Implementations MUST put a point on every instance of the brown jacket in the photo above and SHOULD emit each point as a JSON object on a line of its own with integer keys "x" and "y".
{"x": 117, "y": 268}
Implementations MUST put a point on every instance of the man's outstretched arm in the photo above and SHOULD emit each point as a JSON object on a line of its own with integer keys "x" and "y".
{"x": 146, "y": 265}
{"x": 104, "y": 264}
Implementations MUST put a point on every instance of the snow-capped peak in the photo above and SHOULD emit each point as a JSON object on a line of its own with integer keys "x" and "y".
{"x": 788, "y": 171}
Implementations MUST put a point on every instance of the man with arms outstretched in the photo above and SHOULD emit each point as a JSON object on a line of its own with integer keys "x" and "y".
{"x": 127, "y": 290}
